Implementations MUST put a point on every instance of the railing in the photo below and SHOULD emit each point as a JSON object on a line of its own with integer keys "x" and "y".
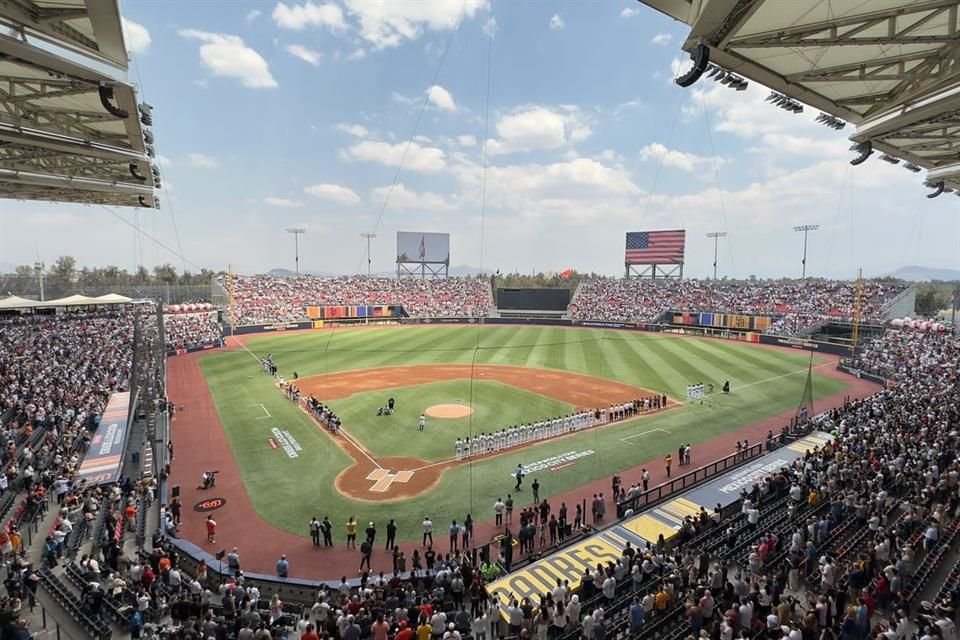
{"x": 663, "y": 491}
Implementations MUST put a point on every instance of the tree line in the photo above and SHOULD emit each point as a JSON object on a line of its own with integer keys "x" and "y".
{"x": 64, "y": 271}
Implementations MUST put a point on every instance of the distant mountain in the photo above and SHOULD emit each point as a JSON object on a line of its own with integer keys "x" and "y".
{"x": 915, "y": 273}
{"x": 287, "y": 273}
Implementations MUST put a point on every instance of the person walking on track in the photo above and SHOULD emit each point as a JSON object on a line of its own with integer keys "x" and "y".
{"x": 391, "y": 535}
{"x": 667, "y": 463}
{"x": 315, "y": 531}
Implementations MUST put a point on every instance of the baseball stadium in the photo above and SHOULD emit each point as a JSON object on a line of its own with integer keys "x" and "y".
{"x": 229, "y": 452}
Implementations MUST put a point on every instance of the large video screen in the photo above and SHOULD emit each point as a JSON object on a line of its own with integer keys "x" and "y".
{"x": 415, "y": 246}
{"x": 533, "y": 299}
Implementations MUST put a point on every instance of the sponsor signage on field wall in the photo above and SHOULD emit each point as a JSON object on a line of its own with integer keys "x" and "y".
{"x": 663, "y": 519}
{"x": 559, "y": 460}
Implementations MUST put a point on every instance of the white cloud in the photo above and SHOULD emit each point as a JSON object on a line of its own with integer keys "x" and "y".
{"x": 406, "y": 199}
{"x": 662, "y": 39}
{"x": 164, "y": 161}
{"x": 283, "y": 202}
{"x": 390, "y": 23}
{"x": 556, "y": 22}
{"x": 357, "y": 54}
{"x": 414, "y": 157}
{"x": 333, "y": 192}
{"x": 629, "y": 12}
{"x": 679, "y": 66}
{"x": 489, "y": 27}
{"x": 253, "y": 14}
{"x": 673, "y": 158}
{"x": 309, "y": 14}
{"x": 202, "y": 161}
{"x": 534, "y": 127}
{"x": 135, "y": 35}
{"x": 356, "y": 130}
{"x": 441, "y": 98}
{"x": 227, "y": 55}
{"x": 467, "y": 141}
{"x": 306, "y": 54}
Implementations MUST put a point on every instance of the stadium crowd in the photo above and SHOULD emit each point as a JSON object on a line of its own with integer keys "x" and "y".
{"x": 266, "y": 299}
{"x": 191, "y": 330}
{"x": 798, "y": 303}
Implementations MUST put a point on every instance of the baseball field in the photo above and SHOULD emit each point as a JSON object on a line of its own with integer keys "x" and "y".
{"x": 485, "y": 378}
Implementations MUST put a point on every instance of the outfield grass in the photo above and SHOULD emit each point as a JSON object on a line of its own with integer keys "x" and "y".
{"x": 287, "y": 492}
{"x": 496, "y": 405}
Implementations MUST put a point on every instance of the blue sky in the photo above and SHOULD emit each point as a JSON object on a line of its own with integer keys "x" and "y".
{"x": 272, "y": 115}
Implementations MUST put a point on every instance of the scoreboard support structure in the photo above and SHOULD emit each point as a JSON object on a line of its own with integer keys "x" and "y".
{"x": 654, "y": 271}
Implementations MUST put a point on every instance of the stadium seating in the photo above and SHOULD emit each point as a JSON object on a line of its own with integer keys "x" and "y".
{"x": 797, "y": 304}
{"x": 265, "y": 299}
{"x": 191, "y": 330}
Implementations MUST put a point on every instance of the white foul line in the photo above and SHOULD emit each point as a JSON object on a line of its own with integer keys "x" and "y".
{"x": 260, "y": 404}
{"x": 641, "y": 434}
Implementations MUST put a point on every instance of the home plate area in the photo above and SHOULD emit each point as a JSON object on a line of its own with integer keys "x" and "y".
{"x": 383, "y": 478}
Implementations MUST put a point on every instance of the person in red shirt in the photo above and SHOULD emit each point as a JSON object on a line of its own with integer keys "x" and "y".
{"x": 211, "y": 529}
{"x": 405, "y": 633}
{"x": 309, "y": 633}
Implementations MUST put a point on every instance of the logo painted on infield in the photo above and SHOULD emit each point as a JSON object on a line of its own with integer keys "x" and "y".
{"x": 210, "y": 504}
{"x": 383, "y": 478}
{"x": 287, "y": 442}
{"x": 555, "y": 463}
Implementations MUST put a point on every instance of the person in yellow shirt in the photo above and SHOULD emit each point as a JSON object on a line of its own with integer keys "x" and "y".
{"x": 424, "y": 631}
{"x": 351, "y": 533}
{"x": 660, "y": 600}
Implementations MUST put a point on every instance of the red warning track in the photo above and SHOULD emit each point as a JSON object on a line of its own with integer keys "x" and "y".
{"x": 200, "y": 443}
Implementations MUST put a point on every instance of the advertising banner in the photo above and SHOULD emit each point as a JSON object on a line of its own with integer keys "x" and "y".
{"x": 104, "y": 458}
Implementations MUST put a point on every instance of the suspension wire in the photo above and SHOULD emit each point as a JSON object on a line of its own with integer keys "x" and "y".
{"x": 157, "y": 242}
{"x": 165, "y": 192}
{"x": 483, "y": 216}
{"x": 844, "y": 192}
{"x": 656, "y": 175}
{"x": 416, "y": 128}
{"x": 716, "y": 175}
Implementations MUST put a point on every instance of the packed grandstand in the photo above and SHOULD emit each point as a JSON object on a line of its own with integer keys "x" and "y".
{"x": 841, "y": 543}
{"x": 795, "y": 306}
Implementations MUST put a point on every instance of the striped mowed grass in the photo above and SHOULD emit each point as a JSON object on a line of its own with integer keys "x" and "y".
{"x": 287, "y": 492}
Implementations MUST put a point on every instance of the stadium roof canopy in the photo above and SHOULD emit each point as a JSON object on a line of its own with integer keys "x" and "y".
{"x": 890, "y": 67}
{"x": 71, "y": 129}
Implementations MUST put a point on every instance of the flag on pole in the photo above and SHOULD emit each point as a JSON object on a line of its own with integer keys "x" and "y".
{"x": 423, "y": 247}
{"x": 655, "y": 247}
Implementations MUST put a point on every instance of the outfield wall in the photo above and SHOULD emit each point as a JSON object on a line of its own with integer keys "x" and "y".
{"x": 727, "y": 334}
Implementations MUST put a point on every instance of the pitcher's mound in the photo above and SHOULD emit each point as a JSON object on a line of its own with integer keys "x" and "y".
{"x": 449, "y": 411}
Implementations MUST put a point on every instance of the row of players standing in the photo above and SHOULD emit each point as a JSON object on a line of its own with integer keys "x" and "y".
{"x": 516, "y": 436}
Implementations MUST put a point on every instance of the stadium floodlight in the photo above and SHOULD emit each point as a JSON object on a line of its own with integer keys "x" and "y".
{"x": 726, "y": 78}
{"x": 831, "y": 121}
{"x": 864, "y": 149}
{"x": 716, "y": 235}
{"x": 297, "y": 232}
{"x": 889, "y": 158}
{"x": 912, "y": 167}
{"x": 784, "y": 102}
{"x": 805, "y": 228}
{"x": 148, "y": 136}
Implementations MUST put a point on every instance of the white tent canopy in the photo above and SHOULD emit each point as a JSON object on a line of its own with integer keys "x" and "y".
{"x": 113, "y": 298}
{"x": 16, "y": 302}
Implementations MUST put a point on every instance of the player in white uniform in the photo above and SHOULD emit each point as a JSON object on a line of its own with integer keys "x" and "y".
{"x": 458, "y": 449}
{"x": 423, "y": 422}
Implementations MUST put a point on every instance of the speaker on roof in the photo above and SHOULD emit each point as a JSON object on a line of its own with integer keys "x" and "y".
{"x": 701, "y": 58}
{"x": 106, "y": 95}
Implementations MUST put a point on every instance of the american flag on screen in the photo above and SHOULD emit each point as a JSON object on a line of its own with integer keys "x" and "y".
{"x": 655, "y": 247}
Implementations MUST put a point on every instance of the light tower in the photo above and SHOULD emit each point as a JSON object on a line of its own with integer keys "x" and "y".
{"x": 369, "y": 237}
{"x": 716, "y": 235}
{"x": 806, "y": 228}
{"x": 297, "y": 232}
